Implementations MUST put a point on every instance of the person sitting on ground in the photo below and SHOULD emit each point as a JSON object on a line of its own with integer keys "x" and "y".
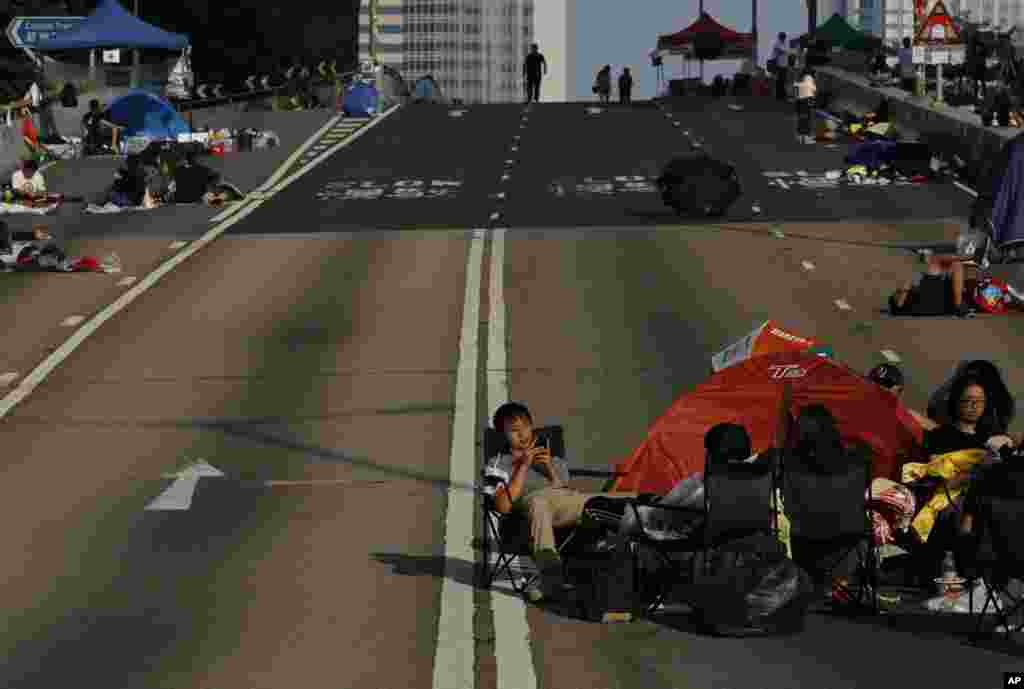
{"x": 939, "y": 292}
{"x": 28, "y": 181}
{"x": 890, "y": 377}
{"x": 536, "y": 485}
{"x": 724, "y": 443}
{"x": 194, "y": 182}
{"x": 1000, "y": 407}
{"x": 95, "y": 123}
{"x": 8, "y": 237}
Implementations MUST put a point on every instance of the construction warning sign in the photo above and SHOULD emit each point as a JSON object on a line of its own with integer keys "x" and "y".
{"x": 938, "y": 28}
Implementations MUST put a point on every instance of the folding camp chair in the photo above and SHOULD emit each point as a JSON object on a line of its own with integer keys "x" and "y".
{"x": 738, "y": 503}
{"x": 506, "y": 539}
{"x": 1000, "y": 558}
{"x": 829, "y": 520}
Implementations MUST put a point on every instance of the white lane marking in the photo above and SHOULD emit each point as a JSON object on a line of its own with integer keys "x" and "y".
{"x": 178, "y": 496}
{"x": 965, "y": 188}
{"x": 72, "y": 321}
{"x": 807, "y": 265}
{"x": 511, "y": 632}
{"x": 842, "y": 305}
{"x": 177, "y": 245}
{"x": 455, "y": 654}
{"x": 778, "y": 234}
{"x": 8, "y": 378}
{"x": 47, "y": 366}
{"x": 281, "y": 170}
{"x": 124, "y": 282}
{"x": 891, "y": 356}
{"x": 495, "y": 215}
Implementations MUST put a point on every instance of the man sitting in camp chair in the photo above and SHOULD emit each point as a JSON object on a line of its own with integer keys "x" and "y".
{"x": 537, "y": 485}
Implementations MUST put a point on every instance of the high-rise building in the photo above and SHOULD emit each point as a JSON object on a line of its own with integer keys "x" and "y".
{"x": 554, "y": 32}
{"x": 1001, "y": 15}
{"x": 890, "y": 20}
{"x": 474, "y": 49}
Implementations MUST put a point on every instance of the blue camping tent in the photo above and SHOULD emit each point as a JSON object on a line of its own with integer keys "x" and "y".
{"x": 111, "y": 26}
{"x": 145, "y": 114}
{"x": 427, "y": 90}
{"x": 361, "y": 100}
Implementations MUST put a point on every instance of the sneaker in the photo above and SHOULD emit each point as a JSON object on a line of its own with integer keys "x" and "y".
{"x": 534, "y": 593}
{"x": 964, "y": 311}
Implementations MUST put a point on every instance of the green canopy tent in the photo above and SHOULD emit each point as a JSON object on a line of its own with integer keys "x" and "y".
{"x": 837, "y": 33}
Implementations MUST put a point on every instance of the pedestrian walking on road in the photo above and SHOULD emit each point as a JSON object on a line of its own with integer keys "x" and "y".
{"x": 626, "y": 87}
{"x": 534, "y": 68}
{"x": 806, "y": 91}
{"x": 779, "y": 62}
{"x": 908, "y": 73}
{"x": 603, "y": 83}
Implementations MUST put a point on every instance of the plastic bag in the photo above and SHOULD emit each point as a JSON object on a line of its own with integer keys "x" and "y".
{"x": 753, "y": 590}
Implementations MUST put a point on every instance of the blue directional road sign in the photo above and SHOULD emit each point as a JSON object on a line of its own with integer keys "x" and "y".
{"x": 33, "y": 32}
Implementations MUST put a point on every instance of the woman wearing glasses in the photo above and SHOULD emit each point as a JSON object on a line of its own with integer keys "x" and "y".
{"x": 969, "y": 427}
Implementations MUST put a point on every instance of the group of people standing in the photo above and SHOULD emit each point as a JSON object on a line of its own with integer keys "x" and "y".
{"x": 535, "y": 67}
{"x": 603, "y": 85}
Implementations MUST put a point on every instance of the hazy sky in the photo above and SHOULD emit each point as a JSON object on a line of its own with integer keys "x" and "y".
{"x": 623, "y": 32}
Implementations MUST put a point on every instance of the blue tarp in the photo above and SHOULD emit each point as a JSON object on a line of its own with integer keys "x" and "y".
{"x": 361, "y": 100}
{"x": 872, "y": 154}
{"x": 111, "y": 26}
{"x": 1008, "y": 210}
{"x": 145, "y": 114}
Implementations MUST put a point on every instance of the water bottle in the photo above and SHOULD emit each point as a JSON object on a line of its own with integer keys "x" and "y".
{"x": 949, "y": 566}
{"x": 112, "y": 263}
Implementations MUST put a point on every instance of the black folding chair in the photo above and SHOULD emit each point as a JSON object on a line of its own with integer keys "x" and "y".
{"x": 830, "y": 520}
{"x": 999, "y": 558}
{"x": 506, "y": 537}
{"x": 739, "y": 502}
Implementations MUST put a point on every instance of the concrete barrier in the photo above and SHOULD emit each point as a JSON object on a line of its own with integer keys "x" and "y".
{"x": 944, "y": 128}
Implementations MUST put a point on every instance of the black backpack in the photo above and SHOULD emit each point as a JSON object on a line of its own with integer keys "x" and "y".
{"x": 69, "y": 96}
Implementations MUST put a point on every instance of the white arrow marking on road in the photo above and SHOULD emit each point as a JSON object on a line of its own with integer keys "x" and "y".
{"x": 178, "y": 495}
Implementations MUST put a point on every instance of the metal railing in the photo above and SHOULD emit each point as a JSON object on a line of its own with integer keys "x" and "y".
{"x": 272, "y": 91}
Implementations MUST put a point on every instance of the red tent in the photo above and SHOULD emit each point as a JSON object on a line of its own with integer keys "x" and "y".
{"x": 752, "y": 393}
{"x": 734, "y": 44}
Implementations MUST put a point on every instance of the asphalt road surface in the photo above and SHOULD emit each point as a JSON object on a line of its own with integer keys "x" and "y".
{"x": 336, "y": 353}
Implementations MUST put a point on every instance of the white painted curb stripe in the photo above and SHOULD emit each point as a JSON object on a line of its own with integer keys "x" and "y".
{"x": 511, "y": 632}
{"x": 281, "y": 170}
{"x": 965, "y": 188}
{"x": 455, "y": 654}
{"x": 40, "y": 372}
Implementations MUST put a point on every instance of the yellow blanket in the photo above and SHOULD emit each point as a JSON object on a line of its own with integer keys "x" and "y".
{"x": 951, "y": 465}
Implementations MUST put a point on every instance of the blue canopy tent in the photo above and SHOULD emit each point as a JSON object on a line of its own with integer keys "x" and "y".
{"x": 112, "y": 26}
{"x": 142, "y": 113}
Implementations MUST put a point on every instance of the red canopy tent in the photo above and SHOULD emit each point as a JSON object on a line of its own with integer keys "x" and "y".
{"x": 753, "y": 393}
{"x": 734, "y": 45}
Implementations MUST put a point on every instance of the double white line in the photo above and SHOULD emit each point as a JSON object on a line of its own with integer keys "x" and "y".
{"x": 454, "y": 660}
